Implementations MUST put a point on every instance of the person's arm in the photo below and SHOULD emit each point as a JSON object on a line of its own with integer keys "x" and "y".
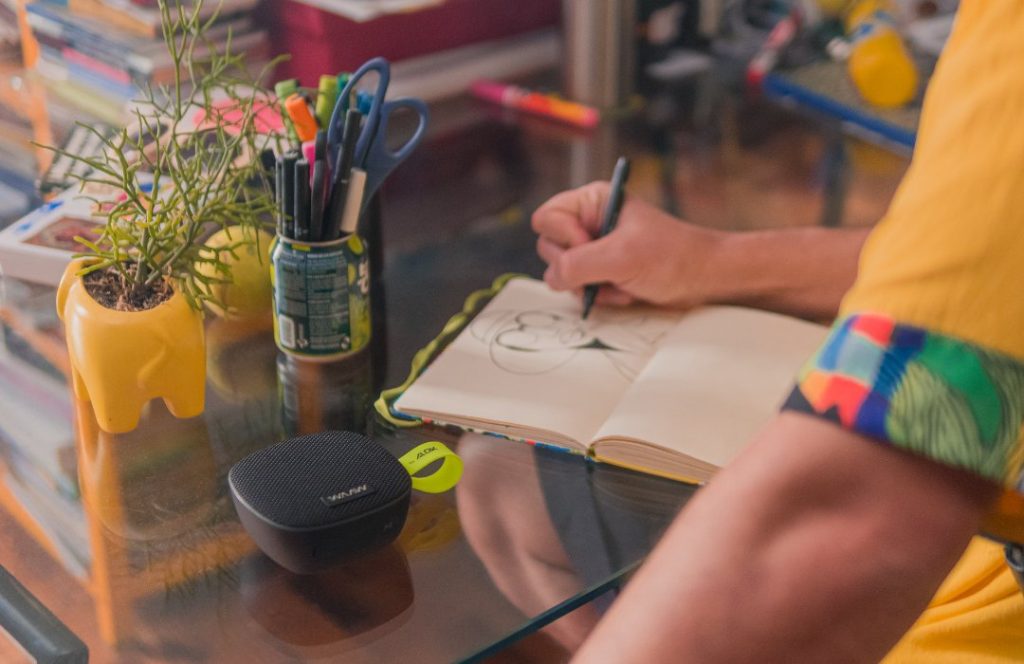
{"x": 654, "y": 257}
{"x": 777, "y": 560}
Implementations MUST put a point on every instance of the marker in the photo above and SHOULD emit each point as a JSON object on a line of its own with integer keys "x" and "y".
{"x": 353, "y": 202}
{"x": 611, "y": 217}
{"x": 290, "y": 158}
{"x": 767, "y": 57}
{"x": 283, "y": 90}
{"x": 316, "y": 203}
{"x": 309, "y": 151}
{"x": 364, "y": 101}
{"x": 298, "y": 110}
{"x": 301, "y": 212}
{"x": 282, "y": 214}
{"x": 320, "y": 144}
{"x": 320, "y": 154}
{"x": 536, "y": 103}
{"x": 326, "y": 96}
{"x": 343, "y": 79}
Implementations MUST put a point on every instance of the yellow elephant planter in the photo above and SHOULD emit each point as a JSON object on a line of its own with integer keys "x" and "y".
{"x": 120, "y": 360}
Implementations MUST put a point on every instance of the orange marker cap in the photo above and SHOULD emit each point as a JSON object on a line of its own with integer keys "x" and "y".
{"x": 302, "y": 118}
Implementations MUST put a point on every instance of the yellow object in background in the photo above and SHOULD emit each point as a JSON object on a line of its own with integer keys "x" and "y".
{"x": 879, "y": 63}
{"x": 249, "y": 293}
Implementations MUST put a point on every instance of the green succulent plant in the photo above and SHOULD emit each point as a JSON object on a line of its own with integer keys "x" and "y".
{"x": 171, "y": 183}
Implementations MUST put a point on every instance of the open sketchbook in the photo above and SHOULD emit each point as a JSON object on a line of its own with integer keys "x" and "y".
{"x": 673, "y": 394}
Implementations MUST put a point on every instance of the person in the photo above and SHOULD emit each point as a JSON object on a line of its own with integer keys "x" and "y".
{"x": 846, "y": 531}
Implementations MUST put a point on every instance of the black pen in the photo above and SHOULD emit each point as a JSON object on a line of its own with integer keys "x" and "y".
{"x": 290, "y": 158}
{"x": 611, "y": 217}
{"x": 320, "y": 154}
{"x": 341, "y": 175}
{"x": 279, "y": 197}
{"x": 302, "y": 200}
{"x": 316, "y": 203}
{"x": 320, "y": 145}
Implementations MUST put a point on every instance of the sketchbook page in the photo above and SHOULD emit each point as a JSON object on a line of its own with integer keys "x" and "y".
{"x": 529, "y": 367}
{"x": 718, "y": 377}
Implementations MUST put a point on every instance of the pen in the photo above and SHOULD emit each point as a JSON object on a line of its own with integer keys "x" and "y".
{"x": 353, "y": 202}
{"x": 316, "y": 149}
{"x": 282, "y": 214}
{"x": 611, "y": 216}
{"x": 302, "y": 200}
{"x": 536, "y": 103}
{"x": 298, "y": 111}
{"x": 342, "y": 171}
{"x": 320, "y": 144}
{"x": 316, "y": 203}
{"x": 290, "y": 158}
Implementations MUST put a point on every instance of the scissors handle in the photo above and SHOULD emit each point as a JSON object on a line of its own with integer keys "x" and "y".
{"x": 380, "y": 159}
{"x": 335, "y": 128}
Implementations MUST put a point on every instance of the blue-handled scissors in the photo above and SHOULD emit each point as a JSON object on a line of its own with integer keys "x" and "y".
{"x": 336, "y": 127}
{"x": 380, "y": 159}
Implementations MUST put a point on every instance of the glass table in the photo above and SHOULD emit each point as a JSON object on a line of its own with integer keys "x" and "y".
{"x": 131, "y": 541}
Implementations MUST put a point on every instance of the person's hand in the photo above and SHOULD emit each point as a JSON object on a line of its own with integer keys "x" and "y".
{"x": 650, "y": 256}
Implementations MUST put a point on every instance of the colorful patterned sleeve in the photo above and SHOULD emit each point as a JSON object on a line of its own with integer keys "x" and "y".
{"x": 928, "y": 351}
{"x": 947, "y": 399}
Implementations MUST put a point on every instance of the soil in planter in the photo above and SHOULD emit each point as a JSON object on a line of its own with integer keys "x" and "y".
{"x": 109, "y": 289}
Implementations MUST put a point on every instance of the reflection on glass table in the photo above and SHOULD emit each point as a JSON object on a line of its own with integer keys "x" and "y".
{"x": 171, "y": 574}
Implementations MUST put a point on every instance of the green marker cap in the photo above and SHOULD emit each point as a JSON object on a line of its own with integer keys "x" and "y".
{"x": 286, "y": 88}
{"x": 327, "y": 95}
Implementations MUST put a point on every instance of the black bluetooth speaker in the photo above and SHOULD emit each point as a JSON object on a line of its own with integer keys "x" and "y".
{"x": 311, "y": 501}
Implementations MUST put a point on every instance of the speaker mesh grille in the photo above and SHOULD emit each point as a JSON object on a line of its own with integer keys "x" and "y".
{"x": 285, "y": 482}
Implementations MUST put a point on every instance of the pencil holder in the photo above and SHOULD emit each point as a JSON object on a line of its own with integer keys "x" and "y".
{"x": 321, "y": 297}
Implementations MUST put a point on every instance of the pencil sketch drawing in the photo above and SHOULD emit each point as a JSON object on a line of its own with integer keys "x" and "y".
{"x": 543, "y": 340}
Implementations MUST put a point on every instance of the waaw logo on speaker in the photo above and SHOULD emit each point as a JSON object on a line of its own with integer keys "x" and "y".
{"x": 352, "y": 493}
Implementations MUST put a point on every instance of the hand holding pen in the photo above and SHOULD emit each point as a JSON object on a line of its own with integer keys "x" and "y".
{"x": 651, "y": 256}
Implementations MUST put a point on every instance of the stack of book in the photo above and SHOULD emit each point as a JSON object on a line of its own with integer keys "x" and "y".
{"x": 9, "y": 34}
{"x": 115, "y": 48}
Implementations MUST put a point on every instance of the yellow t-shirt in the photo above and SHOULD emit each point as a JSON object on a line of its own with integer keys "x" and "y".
{"x": 928, "y": 352}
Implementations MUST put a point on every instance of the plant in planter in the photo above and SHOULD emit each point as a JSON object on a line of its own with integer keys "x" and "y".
{"x": 184, "y": 169}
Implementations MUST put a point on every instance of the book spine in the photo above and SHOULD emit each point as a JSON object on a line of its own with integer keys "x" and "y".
{"x": 60, "y": 69}
{"x": 115, "y": 71}
{"x": 157, "y": 59}
{"x": 49, "y": 25}
{"x": 59, "y": 51}
{"x": 145, "y": 21}
{"x": 115, "y": 74}
{"x": 142, "y": 57}
{"x": 115, "y": 89}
